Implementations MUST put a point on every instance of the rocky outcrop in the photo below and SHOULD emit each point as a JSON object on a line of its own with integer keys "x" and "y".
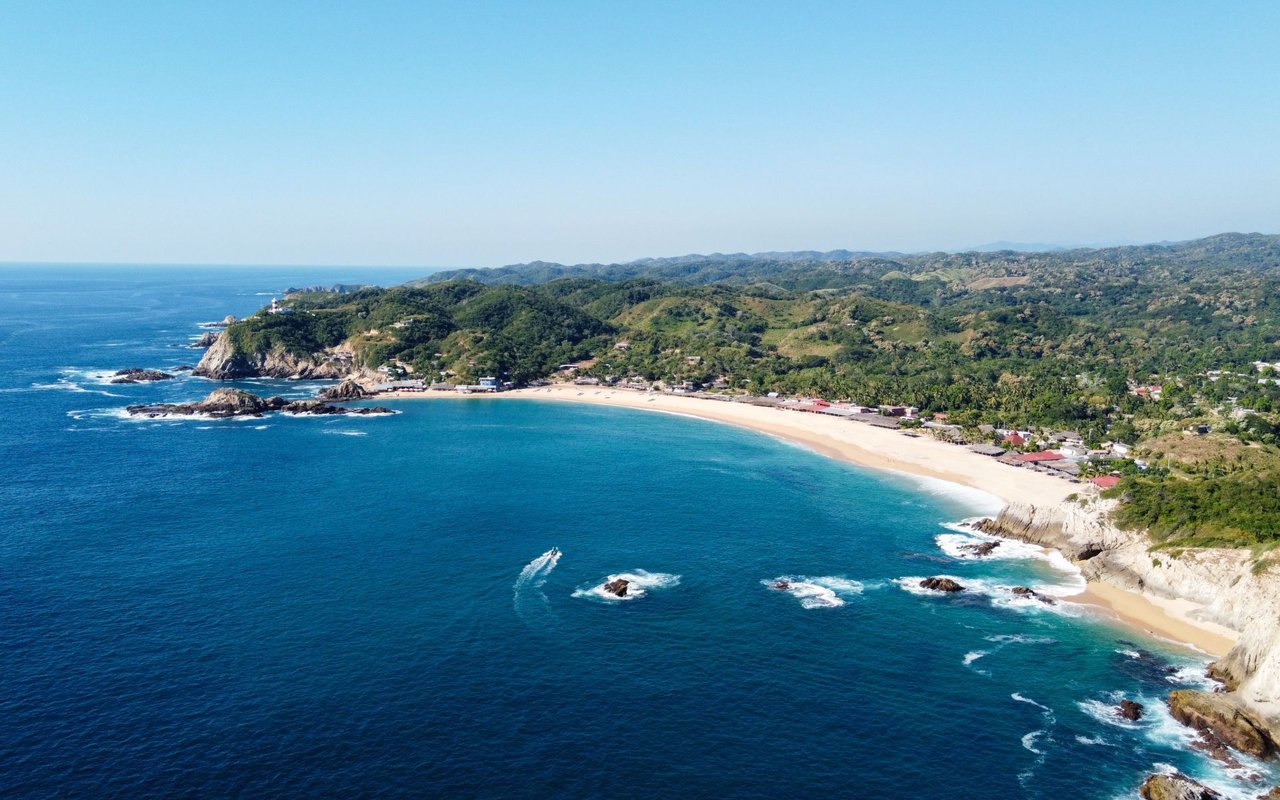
{"x": 138, "y": 375}
{"x": 980, "y": 549}
{"x": 617, "y": 587}
{"x": 1228, "y": 585}
{"x": 205, "y": 341}
{"x": 1221, "y": 716}
{"x": 939, "y": 584}
{"x": 1175, "y": 787}
{"x": 1028, "y": 593}
{"x": 1130, "y": 710}
{"x": 347, "y": 390}
{"x": 238, "y": 403}
{"x": 225, "y": 361}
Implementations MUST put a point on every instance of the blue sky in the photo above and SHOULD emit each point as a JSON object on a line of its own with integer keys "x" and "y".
{"x": 477, "y": 133}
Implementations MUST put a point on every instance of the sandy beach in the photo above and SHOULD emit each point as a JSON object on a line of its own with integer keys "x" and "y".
{"x": 909, "y": 452}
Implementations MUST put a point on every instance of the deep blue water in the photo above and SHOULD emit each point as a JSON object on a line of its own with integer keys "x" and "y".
{"x": 328, "y": 607}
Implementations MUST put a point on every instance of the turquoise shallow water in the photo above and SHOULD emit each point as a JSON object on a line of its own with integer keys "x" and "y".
{"x": 312, "y": 607}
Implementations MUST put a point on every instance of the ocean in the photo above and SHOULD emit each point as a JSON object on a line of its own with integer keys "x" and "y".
{"x": 342, "y": 607}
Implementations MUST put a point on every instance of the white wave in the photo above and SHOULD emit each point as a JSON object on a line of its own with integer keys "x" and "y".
{"x": 1022, "y": 699}
{"x": 639, "y": 583}
{"x": 1129, "y": 653}
{"x": 1193, "y": 675}
{"x": 1094, "y": 740}
{"x": 347, "y": 433}
{"x": 64, "y": 385}
{"x": 999, "y": 595}
{"x": 974, "y": 655}
{"x": 1020, "y": 638}
{"x": 977, "y": 500}
{"x": 821, "y": 592}
{"x": 911, "y": 584}
{"x": 1105, "y": 711}
{"x": 955, "y": 544}
{"x": 1029, "y": 741}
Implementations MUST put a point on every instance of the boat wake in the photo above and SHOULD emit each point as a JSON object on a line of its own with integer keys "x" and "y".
{"x": 533, "y": 577}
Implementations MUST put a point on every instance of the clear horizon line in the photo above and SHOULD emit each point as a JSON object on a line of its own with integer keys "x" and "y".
{"x": 4, "y": 263}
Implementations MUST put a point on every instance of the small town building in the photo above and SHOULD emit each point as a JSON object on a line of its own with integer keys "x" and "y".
{"x": 1037, "y": 458}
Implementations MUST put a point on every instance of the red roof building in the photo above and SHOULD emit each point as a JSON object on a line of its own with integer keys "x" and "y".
{"x": 1104, "y": 481}
{"x": 1015, "y": 439}
{"x": 1047, "y": 455}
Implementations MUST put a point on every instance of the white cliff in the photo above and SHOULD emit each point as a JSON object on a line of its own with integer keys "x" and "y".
{"x": 1232, "y": 587}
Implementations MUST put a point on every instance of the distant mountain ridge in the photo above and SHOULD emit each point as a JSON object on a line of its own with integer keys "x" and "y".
{"x": 811, "y": 269}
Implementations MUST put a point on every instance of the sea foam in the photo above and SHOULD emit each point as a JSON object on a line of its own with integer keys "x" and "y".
{"x": 821, "y": 592}
{"x": 639, "y": 583}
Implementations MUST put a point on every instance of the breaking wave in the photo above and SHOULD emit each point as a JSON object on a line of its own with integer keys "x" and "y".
{"x": 821, "y": 592}
{"x": 639, "y": 583}
{"x": 999, "y": 595}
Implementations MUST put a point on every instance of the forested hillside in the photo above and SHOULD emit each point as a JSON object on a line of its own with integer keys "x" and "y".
{"x": 1130, "y": 344}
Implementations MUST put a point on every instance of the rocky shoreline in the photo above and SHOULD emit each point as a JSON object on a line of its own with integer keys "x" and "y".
{"x": 222, "y": 361}
{"x": 1233, "y": 589}
{"x": 224, "y": 403}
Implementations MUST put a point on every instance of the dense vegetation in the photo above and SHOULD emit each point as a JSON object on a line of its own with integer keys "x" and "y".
{"x": 1068, "y": 340}
{"x": 1219, "y": 511}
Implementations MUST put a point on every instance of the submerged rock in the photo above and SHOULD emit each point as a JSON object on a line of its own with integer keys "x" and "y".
{"x": 941, "y": 585}
{"x": 1175, "y": 787}
{"x": 617, "y": 587}
{"x": 1130, "y": 710}
{"x": 239, "y": 403}
{"x": 1221, "y": 717}
{"x": 1213, "y": 747}
{"x": 138, "y": 375}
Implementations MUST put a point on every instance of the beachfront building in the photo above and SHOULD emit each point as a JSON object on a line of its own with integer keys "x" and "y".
{"x": 400, "y": 386}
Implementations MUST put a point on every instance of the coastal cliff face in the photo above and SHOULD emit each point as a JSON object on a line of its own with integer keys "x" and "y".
{"x": 224, "y": 361}
{"x": 1226, "y": 583}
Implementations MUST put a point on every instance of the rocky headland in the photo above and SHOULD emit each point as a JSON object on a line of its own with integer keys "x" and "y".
{"x": 225, "y": 361}
{"x": 222, "y": 403}
{"x": 205, "y": 341}
{"x": 1230, "y": 586}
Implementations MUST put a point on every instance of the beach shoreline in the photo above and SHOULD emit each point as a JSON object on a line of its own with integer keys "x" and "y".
{"x": 915, "y": 454}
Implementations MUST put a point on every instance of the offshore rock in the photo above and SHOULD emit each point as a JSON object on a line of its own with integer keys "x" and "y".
{"x": 980, "y": 549}
{"x": 205, "y": 341}
{"x": 617, "y": 587}
{"x": 137, "y": 375}
{"x": 941, "y": 585}
{"x": 347, "y": 390}
{"x": 1032, "y": 594}
{"x": 225, "y": 361}
{"x": 1222, "y": 717}
{"x": 1130, "y": 710}
{"x": 1175, "y": 787}
{"x": 223, "y": 403}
